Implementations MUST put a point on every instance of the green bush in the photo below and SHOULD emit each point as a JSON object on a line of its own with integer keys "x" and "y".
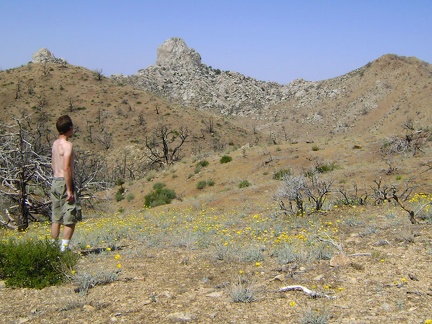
{"x": 119, "y": 195}
{"x": 200, "y": 165}
{"x": 159, "y": 196}
{"x": 225, "y": 159}
{"x": 244, "y": 184}
{"x": 34, "y": 264}
{"x": 201, "y": 184}
{"x": 325, "y": 167}
{"x": 278, "y": 175}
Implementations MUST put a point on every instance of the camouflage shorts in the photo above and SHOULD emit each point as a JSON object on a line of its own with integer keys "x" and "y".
{"x": 64, "y": 212}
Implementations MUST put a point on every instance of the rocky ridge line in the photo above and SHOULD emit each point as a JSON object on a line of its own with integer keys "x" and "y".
{"x": 179, "y": 75}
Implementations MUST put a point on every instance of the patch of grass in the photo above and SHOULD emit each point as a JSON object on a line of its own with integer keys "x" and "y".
{"x": 251, "y": 254}
{"x": 203, "y": 183}
{"x": 325, "y": 167}
{"x": 242, "y": 291}
{"x": 151, "y": 175}
{"x": 278, "y": 175}
{"x": 223, "y": 252}
{"x": 244, "y": 184}
{"x": 202, "y": 163}
{"x": 88, "y": 281}
{"x": 314, "y": 317}
{"x": 130, "y": 196}
{"x": 286, "y": 253}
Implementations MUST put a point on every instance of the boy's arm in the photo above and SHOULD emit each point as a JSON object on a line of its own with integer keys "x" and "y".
{"x": 67, "y": 171}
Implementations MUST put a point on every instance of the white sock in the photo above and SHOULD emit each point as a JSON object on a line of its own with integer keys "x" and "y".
{"x": 64, "y": 245}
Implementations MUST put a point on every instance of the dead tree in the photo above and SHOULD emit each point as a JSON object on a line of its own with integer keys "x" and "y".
{"x": 209, "y": 125}
{"x": 25, "y": 167}
{"x": 98, "y": 74}
{"x": 353, "y": 199}
{"x": 91, "y": 175}
{"x": 383, "y": 192}
{"x": 164, "y": 147}
{"x": 317, "y": 190}
{"x": 296, "y": 191}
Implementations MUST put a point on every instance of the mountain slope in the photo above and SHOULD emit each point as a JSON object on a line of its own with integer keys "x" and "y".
{"x": 390, "y": 90}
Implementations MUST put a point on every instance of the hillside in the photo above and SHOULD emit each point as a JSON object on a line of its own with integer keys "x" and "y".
{"x": 301, "y": 124}
{"x": 223, "y": 250}
{"x": 111, "y": 119}
{"x": 386, "y": 92}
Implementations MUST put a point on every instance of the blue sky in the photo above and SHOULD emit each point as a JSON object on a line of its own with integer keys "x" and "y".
{"x": 270, "y": 40}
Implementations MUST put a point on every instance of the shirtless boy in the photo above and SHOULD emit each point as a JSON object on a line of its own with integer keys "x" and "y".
{"x": 65, "y": 205}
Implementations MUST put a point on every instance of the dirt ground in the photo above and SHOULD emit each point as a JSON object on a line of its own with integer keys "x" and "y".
{"x": 375, "y": 276}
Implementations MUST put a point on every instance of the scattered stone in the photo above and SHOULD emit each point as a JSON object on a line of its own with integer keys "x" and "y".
{"x": 180, "y": 317}
{"x": 280, "y": 277}
{"x": 213, "y": 315}
{"x": 339, "y": 260}
{"x": 216, "y": 294}
{"x": 386, "y": 307}
{"x": 89, "y": 308}
{"x": 381, "y": 243}
{"x": 357, "y": 266}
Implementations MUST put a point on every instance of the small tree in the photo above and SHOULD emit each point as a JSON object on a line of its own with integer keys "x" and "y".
{"x": 385, "y": 192}
{"x": 290, "y": 196}
{"x": 165, "y": 145}
{"x": 297, "y": 190}
{"x": 317, "y": 190}
{"x": 98, "y": 74}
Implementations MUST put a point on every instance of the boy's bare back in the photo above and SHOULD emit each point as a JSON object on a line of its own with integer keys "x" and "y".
{"x": 62, "y": 157}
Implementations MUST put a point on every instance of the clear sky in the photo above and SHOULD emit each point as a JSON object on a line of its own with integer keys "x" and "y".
{"x": 270, "y": 40}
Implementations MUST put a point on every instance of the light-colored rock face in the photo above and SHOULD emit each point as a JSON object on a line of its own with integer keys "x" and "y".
{"x": 175, "y": 51}
{"x": 43, "y": 55}
{"x": 179, "y": 75}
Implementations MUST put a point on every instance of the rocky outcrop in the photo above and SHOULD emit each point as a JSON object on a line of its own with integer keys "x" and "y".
{"x": 179, "y": 75}
{"x": 43, "y": 55}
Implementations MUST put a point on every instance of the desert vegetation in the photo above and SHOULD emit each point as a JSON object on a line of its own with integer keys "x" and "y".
{"x": 193, "y": 216}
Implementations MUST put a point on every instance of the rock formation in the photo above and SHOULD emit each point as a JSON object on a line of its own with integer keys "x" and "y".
{"x": 43, "y": 55}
